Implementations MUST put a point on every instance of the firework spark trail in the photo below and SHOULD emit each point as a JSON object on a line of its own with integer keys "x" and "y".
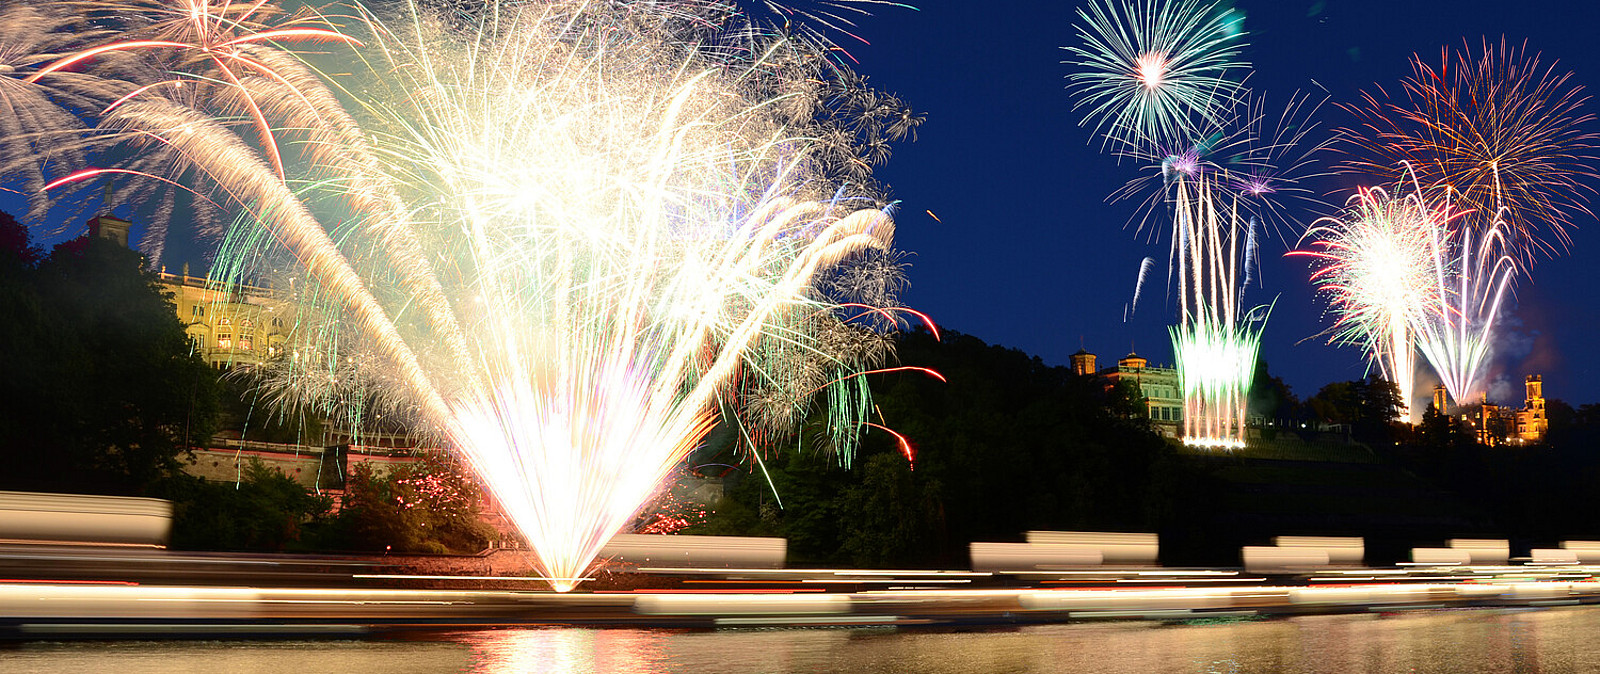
{"x": 1471, "y": 281}
{"x": 566, "y": 242}
{"x": 1216, "y": 341}
{"x": 1261, "y": 156}
{"x": 215, "y": 57}
{"x": 1378, "y": 264}
{"x": 1506, "y": 133}
{"x": 1155, "y": 71}
{"x": 210, "y": 147}
{"x": 616, "y": 233}
{"x": 1504, "y": 137}
{"x": 38, "y": 119}
{"x": 573, "y": 208}
{"x": 1138, "y": 286}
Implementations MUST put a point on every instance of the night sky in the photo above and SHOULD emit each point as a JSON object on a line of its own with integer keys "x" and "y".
{"x": 1030, "y": 255}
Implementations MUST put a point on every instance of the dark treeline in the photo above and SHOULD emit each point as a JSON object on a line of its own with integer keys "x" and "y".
{"x": 101, "y": 391}
{"x": 1007, "y": 445}
{"x": 1010, "y": 444}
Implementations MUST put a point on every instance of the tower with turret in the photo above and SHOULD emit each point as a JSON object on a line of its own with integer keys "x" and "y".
{"x": 1083, "y": 363}
{"x": 1532, "y": 423}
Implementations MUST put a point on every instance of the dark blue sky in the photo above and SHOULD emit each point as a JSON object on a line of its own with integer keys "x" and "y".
{"x": 1030, "y": 255}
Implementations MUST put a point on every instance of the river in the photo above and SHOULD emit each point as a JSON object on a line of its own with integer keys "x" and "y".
{"x": 1546, "y": 640}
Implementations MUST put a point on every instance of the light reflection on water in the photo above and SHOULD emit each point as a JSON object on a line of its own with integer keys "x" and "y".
{"x": 1558, "y": 640}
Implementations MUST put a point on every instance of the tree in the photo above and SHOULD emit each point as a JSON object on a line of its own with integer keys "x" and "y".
{"x": 1271, "y": 398}
{"x": 431, "y": 506}
{"x": 103, "y": 393}
{"x": 265, "y": 511}
{"x": 1369, "y": 406}
{"x": 1441, "y": 434}
{"x": 1005, "y": 445}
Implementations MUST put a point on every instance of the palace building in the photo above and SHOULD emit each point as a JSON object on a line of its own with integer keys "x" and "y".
{"x": 228, "y": 326}
{"x": 1160, "y": 387}
{"x": 1495, "y": 425}
{"x": 1530, "y": 422}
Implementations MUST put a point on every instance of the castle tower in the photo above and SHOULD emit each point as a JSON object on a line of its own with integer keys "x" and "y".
{"x": 1488, "y": 422}
{"x": 107, "y": 226}
{"x": 1082, "y": 363}
{"x": 1439, "y": 398}
{"x": 1531, "y": 421}
{"x": 1133, "y": 361}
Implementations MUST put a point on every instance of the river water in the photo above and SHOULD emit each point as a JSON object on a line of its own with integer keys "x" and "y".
{"x": 1550, "y": 640}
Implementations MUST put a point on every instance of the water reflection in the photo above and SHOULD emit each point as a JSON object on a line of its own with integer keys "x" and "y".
{"x": 558, "y": 650}
{"x": 1434, "y": 641}
{"x": 1538, "y": 641}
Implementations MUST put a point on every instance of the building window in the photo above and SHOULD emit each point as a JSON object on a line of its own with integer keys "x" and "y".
{"x": 224, "y": 341}
{"x": 244, "y": 341}
{"x": 198, "y": 311}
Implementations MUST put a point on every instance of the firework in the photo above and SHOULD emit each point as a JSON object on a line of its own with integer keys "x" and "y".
{"x": 566, "y": 245}
{"x": 1471, "y": 278}
{"x": 38, "y": 120}
{"x": 1501, "y": 130}
{"x": 1378, "y": 265}
{"x": 1155, "y": 72}
{"x": 1260, "y": 154}
{"x": 225, "y": 61}
{"x": 1216, "y": 340}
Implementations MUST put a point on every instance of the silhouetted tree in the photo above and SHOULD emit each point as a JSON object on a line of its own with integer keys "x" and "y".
{"x": 1006, "y": 445}
{"x": 102, "y": 391}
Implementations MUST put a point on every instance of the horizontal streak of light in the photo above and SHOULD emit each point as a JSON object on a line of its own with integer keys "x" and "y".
{"x": 39, "y": 581}
{"x": 1191, "y": 580}
{"x": 857, "y": 581}
{"x": 79, "y": 544}
{"x": 710, "y": 591}
{"x": 396, "y": 576}
{"x": 810, "y": 620}
{"x": 769, "y": 581}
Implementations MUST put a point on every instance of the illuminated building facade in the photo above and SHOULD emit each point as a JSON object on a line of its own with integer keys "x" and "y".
{"x": 1160, "y": 387}
{"x": 242, "y": 325}
{"x": 1496, "y": 426}
{"x": 1489, "y": 424}
{"x": 1083, "y": 363}
{"x": 228, "y": 326}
